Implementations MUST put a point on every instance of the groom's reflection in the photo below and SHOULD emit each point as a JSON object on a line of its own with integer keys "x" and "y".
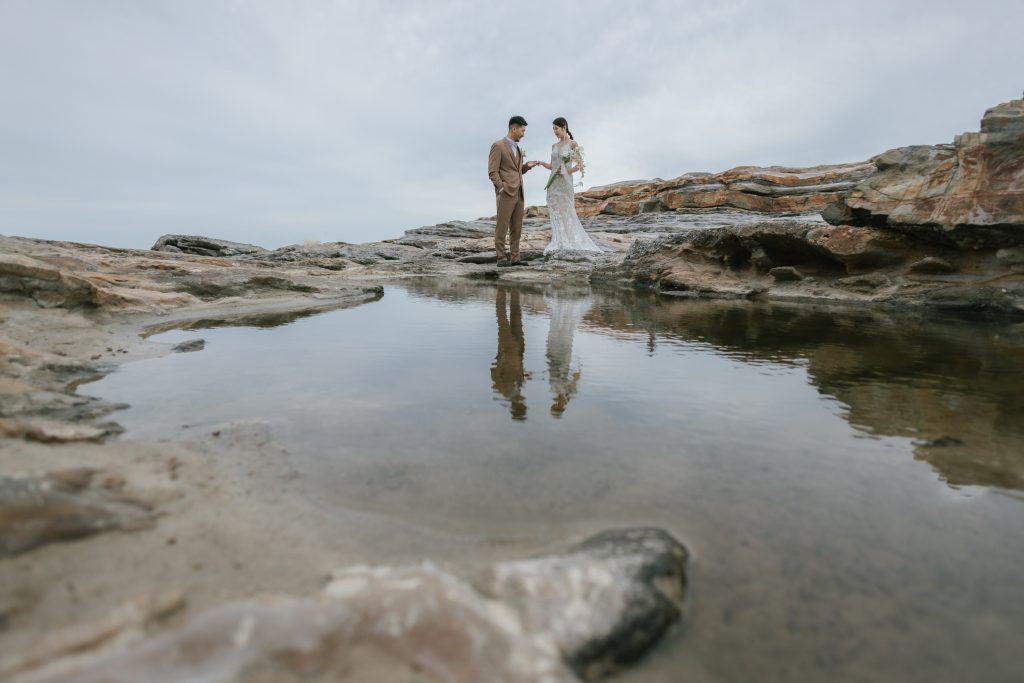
{"x": 507, "y": 373}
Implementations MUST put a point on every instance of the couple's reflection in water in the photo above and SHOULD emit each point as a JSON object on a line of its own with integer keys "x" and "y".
{"x": 943, "y": 383}
{"x": 508, "y": 372}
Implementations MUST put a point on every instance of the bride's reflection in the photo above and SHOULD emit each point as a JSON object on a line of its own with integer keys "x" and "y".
{"x": 507, "y": 373}
{"x": 566, "y": 311}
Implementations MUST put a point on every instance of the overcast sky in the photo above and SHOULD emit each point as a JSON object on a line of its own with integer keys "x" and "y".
{"x": 277, "y": 122}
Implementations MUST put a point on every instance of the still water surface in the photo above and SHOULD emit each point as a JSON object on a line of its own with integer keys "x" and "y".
{"x": 850, "y": 484}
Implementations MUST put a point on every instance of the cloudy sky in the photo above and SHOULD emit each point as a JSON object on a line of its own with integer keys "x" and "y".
{"x": 274, "y": 122}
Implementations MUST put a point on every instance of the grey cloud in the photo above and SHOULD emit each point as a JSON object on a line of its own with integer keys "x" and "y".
{"x": 275, "y": 122}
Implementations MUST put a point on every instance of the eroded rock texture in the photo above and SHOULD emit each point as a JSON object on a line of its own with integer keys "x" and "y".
{"x": 937, "y": 226}
{"x": 554, "y": 619}
{"x": 71, "y": 275}
{"x": 969, "y": 194}
{"x": 774, "y": 189}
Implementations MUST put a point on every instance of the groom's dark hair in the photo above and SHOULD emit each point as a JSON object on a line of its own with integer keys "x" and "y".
{"x": 516, "y": 121}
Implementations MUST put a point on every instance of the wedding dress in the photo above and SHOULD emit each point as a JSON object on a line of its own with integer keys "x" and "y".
{"x": 566, "y": 314}
{"x": 566, "y": 230}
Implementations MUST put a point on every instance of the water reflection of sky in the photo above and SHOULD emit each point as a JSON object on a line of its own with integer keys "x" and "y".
{"x": 806, "y": 457}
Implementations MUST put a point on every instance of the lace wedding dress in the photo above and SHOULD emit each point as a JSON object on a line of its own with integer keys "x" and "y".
{"x": 567, "y": 232}
{"x": 563, "y": 375}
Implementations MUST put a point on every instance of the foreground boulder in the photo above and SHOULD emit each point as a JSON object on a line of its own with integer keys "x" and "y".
{"x": 969, "y": 194}
{"x": 558, "y": 619}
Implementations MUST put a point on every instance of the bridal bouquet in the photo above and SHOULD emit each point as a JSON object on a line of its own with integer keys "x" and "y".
{"x": 573, "y": 155}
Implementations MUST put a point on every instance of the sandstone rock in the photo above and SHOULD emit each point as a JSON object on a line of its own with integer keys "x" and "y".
{"x": 931, "y": 265}
{"x": 774, "y": 189}
{"x": 864, "y": 283}
{"x": 492, "y": 257}
{"x": 1011, "y": 256}
{"x": 786, "y": 274}
{"x": 454, "y": 230}
{"x": 574, "y": 256}
{"x": 838, "y": 263}
{"x": 969, "y": 193}
{"x": 44, "y": 283}
{"x": 486, "y": 257}
{"x": 238, "y": 283}
{"x": 653, "y": 205}
{"x": 18, "y": 266}
{"x": 977, "y": 298}
{"x": 50, "y": 431}
{"x": 628, "y": 589}
{"x": 189, "y": 346}
{"x": 204, "y": 246}
{"x": 861, "y": 248}
{"x": 551, "y": 620}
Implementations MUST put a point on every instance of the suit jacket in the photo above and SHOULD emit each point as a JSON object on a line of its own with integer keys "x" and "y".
{"x": 505, "y": 168}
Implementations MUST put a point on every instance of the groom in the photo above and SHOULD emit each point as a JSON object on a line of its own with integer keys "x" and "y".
{"x": 505, "y": 168}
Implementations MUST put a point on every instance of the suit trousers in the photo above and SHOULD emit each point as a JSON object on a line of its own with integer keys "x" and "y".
{"x": 509, "y": 223}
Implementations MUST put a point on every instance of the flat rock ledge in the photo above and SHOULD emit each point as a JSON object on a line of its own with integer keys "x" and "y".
{"x": 564, "y": 618}
{"x": 798, "y": 261}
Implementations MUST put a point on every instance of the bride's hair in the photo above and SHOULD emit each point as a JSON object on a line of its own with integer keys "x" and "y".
{"x": 562, "y": 123}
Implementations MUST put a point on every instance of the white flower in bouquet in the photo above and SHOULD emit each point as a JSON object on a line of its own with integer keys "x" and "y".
{"x": 573, "y": 155}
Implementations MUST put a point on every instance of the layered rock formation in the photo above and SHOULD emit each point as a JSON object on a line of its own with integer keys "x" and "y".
{"x": 71, "y": 275}
{"x": 937, "y": 226}
{"x": 969, "y": 194}
{"x": 775, "y": 189}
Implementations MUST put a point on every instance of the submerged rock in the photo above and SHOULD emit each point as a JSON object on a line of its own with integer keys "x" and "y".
{"x": 189, "y": 346}
{"x": 556, "y": 619}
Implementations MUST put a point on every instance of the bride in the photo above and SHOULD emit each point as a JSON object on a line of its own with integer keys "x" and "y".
{"x": 566, "y": 159}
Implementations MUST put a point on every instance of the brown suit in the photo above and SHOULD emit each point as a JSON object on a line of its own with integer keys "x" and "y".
{"x": 507, "y": 372}
{"x": 505, "y": 169}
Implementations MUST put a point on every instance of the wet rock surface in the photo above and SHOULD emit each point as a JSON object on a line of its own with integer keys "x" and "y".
{"x": 561, "y": 618}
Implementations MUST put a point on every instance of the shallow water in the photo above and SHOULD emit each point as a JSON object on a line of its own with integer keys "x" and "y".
{"x": 851, "y": 484}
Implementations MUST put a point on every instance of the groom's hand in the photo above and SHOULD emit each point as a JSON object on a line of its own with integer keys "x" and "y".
{"x": 532, "y": 164}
